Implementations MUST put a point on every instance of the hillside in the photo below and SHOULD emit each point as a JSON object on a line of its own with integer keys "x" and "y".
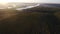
{"x": 40, "y": 20}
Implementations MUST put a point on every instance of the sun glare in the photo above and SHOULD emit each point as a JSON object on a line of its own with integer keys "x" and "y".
{"x": 6, "y": 1}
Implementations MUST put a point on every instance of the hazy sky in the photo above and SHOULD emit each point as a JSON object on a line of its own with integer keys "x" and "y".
{"x": 30, "y": 1}
{"x": 48, "y": 1}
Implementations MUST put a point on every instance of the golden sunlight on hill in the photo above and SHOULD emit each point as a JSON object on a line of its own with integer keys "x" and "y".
{"x": 6, "y": 14}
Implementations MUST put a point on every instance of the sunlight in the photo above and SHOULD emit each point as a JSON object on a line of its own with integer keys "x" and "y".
{"x": 6, "y": 1}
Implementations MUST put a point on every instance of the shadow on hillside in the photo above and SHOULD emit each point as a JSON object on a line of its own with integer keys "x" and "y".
{"x": 38, "y": 22}
{"x": 29, "y": 23}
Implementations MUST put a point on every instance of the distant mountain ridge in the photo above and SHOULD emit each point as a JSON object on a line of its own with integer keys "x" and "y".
{"x": 32, "y": 4}
{"x": 54, "y": 5}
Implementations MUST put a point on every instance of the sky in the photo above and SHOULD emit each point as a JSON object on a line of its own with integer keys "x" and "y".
{"x": 31, "y": 1}
{"x": 48, "y": 1}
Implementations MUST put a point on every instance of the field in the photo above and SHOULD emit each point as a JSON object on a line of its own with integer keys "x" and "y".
{"x": 30, "y": 21}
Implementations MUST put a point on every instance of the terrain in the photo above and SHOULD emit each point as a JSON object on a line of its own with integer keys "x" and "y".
{"x": 37, "y": 20}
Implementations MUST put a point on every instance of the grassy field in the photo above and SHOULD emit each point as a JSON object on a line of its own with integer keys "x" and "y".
{"x": 38, "y": 20}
